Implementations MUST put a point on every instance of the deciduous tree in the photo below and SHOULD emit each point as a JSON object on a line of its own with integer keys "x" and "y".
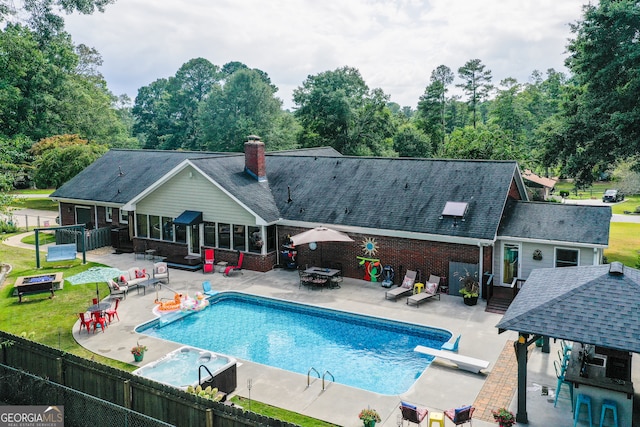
{"x": 602, "y": 114}
{"x": 337, "y": 109}
{"x": 244, "y": 105}
{"x": 58, "y": 165}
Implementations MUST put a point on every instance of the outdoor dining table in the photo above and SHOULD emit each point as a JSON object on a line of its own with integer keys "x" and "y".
{"x": 99, "y": 307}
{"x": 326, "y": 272}
{"x": 321, "y": 276}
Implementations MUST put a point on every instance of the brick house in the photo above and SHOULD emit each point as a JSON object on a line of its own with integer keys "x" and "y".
{"x": 427, "y": 214}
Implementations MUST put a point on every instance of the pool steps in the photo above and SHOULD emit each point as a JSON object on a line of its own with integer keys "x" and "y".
{"x": 172, "y": 317}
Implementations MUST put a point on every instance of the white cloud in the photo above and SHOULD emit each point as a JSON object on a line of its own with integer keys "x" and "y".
{"x": 394, "y": 43}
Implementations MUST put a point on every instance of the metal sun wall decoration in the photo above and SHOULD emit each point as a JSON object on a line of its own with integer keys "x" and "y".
{"x": 370, "y": 246}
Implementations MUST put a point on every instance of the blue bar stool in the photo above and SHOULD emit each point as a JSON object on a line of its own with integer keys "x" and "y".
{"x": 582, "y": 399}
{"x": 609, "y": 404}
{"x": 560, "y": 374}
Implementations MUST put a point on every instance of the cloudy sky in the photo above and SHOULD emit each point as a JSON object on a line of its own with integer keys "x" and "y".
{"x": 395, "y": 44}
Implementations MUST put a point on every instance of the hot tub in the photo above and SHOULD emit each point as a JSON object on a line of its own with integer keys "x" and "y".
{"x": 185, "y": 366}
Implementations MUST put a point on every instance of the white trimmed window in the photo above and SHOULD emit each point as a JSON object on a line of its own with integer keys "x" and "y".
{"x": 567, "y": 257}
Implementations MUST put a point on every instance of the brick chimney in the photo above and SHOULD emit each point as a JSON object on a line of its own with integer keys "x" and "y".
{"x": 254, "y": 161}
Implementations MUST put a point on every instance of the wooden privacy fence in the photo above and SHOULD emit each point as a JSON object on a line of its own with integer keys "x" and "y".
{"x": 159, "y": 401}
{"x": 93, "y": 238}
{"x": 80, "y": 409}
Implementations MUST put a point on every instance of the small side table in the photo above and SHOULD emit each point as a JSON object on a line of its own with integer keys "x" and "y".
{"x": 221, "y": 266}
{"x": 151, "y": 253}
{"x": 436, "y": 418}
{"x": 444, "y": 285}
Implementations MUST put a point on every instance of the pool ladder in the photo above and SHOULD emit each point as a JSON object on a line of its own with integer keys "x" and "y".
{"x": 312, "y": 369}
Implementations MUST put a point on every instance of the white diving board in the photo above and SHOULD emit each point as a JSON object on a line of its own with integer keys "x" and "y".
{"x": 464, "y": 362}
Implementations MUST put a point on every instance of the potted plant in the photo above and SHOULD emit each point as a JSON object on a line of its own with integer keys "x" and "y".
{"x": 470, "y": 288}
{"x": 504, "y": 417}
{"x": 369, "y": 417}
{"x": 138, "y": 352}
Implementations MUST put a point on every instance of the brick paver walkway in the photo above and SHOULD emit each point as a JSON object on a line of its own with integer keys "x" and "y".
{"x": 500, "y": 386}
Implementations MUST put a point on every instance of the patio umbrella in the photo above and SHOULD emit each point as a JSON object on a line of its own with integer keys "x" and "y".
{"x": 95, "y": 275}
{"x": 320, "y": 234}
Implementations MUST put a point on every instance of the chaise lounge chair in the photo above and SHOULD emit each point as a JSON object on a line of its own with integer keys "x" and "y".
{"x": 405, "y": 288}
{"x": 431, "y": 289}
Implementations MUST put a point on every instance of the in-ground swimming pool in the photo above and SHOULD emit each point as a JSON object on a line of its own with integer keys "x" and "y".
{"x": 181, "y": 367}
{"x": 359, "y": 351}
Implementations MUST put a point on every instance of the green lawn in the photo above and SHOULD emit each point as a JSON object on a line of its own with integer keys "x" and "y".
{"x": 624, "y": 245}
{"x": 32, "y": 191}
{"x": 39, "y": 203}
{"x": 50, "y": 321}
{"x": 593, "y": 192}
{"x": 44, "y": 238}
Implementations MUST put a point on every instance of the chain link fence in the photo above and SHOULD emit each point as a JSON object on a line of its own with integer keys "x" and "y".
{"x": 24, "y": 221}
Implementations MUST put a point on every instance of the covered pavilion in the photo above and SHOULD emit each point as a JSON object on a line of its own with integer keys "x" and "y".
{"x": 595, "y": 305}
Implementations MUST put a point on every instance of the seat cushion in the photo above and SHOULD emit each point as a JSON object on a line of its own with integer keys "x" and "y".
{"x": 408, "y": 405}
{"x": 430, "y": 288}
{"x": 408, "y": 283}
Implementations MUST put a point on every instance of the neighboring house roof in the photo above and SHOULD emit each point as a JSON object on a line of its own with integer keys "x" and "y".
{"x": 540, "y": 181}
{"x": 557, "y": 222}
{"x": 584, "y": 304}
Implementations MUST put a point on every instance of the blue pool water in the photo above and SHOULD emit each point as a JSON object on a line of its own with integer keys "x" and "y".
{"x": 359, "y": 351}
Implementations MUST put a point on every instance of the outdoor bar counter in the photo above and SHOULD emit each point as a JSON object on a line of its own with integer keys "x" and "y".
{"x": 606, "y": 374}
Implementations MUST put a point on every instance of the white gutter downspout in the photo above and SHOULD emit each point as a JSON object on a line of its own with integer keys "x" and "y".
{"x": 480, "y": 265}
{"x": 95, "y": 217}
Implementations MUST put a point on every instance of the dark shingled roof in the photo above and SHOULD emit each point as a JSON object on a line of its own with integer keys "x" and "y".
{"x": 557, "y": 222}
{"x": 584, "y": 304}
{"x": 325, "y": 187}
{"x": 392, "y": 193}
{"x": 120, "y": 175}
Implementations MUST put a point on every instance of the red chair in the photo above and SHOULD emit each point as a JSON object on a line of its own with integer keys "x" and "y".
{"x": 86, "y": 322}
{"x": 113, "y": 312}
{"x": 208, "y": 261}
{"x": 98, "y": 319}
{"x": 237, "y": 267}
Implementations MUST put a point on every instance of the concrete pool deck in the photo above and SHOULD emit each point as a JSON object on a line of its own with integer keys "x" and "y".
{"x": 441, "y": 387}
